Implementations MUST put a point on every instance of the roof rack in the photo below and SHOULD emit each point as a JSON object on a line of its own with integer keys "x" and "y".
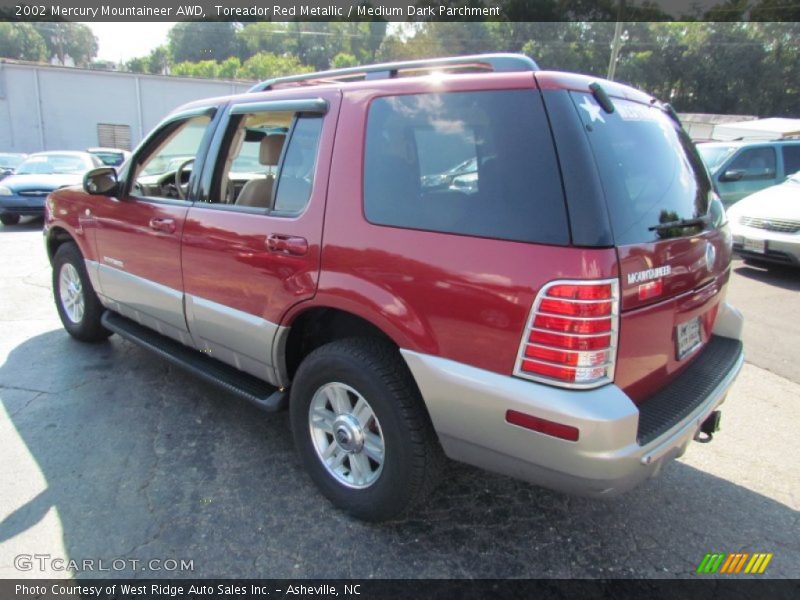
{"x": 479, "y": 62}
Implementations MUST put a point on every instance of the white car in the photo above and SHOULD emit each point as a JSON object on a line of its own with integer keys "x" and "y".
{"x": 766, "y": 225}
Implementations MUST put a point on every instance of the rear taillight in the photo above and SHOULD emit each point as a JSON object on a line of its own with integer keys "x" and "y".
{"x": 571, "y": 337}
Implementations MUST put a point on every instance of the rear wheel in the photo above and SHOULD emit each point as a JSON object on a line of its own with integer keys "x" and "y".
{"x": 361, "y": 429}
{"x": 9, "y": 219}
{"x": 77, "y": 304}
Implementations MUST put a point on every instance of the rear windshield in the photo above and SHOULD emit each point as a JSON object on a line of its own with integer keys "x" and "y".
{"x": 469, "y": 163}
{"x": 650, "y": 170}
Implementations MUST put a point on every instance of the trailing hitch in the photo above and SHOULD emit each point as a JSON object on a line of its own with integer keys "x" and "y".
{"x": 709, "y": 427}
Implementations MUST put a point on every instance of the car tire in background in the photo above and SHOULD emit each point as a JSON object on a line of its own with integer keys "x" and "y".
{"x": 78, "y": 306}
{"x": 9, "y": 219}
{"x": 361, "y": 429}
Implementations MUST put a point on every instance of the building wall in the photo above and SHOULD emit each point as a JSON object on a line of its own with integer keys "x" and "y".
{"x": 56, "y": 108}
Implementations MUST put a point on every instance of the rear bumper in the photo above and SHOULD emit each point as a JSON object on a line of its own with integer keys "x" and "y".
{"x": 612, "y": 455}
{"x": 781, "y": 248}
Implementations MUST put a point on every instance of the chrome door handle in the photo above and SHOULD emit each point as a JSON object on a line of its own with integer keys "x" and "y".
{"x": 165, "y": 225}
{"x": 287, "y": 244}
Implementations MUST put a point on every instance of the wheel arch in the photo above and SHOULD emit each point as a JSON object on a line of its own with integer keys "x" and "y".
{"x": 312, "y": 326}
{"x": 56, "y": 237}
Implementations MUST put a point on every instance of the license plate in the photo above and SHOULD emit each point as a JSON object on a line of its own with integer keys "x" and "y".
{"x": 688, "y": 336}
{"x": 758, "y": 246}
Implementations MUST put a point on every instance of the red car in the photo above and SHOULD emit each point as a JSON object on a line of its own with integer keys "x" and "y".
{"x": 562, "y": 321}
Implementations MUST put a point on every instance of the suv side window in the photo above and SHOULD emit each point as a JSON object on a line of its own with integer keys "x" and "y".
{"x": 164, "y": 169}
{"x": 470, "y": 163}
{"x": 755, "y": 163}
{"x": 269, "y": 162}
{"x": 791, "y": 159}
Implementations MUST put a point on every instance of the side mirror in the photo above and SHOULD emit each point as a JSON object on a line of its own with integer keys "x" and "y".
{"x": 732, "y": 175}
{"x": 101, "y": 181}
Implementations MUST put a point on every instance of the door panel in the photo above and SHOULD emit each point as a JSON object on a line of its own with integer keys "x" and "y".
{"x": 138, "y": 235}
{"x": 245, "y": 266}
{"x": 139, "y": 262}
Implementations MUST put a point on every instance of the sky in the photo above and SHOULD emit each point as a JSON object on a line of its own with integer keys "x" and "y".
{"x": 123, "y": 41}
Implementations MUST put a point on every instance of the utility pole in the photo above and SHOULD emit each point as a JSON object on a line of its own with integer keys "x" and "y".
{"x": 616, "y": 43}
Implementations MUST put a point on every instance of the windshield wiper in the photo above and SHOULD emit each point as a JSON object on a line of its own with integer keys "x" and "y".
{"x": 680, "y": 223}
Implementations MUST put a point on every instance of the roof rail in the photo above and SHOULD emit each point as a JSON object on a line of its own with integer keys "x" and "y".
{"x": 481, "y": 62}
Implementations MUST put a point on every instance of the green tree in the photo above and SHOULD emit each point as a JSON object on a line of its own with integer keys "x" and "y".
{"x": 196, "y": 41}
{"x": 343, "y": 60}
{"x": 266, "y": 65}
{"x": 138, "y": 65}
{"x": 73, "y": 40}
{"x": 22, "y": 42}
{"x": 229, "y": 68}
{"x": 261, "y": 37}
{"x": 159, "y": 60}
{"x": 204, "y": 69}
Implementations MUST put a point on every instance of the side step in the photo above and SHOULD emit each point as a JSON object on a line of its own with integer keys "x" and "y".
{"x": 263, "y": 395}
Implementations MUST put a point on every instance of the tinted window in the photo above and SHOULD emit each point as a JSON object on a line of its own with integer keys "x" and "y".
{"x": 791, "y": 159}
{"x": 650, "y": 170}
{"x": 297, "y": 170}
{"x": 471, "y": 163}
{"x": 755, "y": 163}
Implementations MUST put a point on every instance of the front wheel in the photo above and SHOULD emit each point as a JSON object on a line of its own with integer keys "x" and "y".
{"x": 77, "y": 304}
{"x": 9, "y": 219}
{"x": 361, "y": 429}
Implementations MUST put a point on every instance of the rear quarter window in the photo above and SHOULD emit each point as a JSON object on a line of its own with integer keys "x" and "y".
{"x": 469, "y": 163}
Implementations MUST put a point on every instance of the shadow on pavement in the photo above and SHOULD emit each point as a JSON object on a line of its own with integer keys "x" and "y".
{"x": 782, "y": 276}
{"x": 26, "y": 224}
{"x": 142, "y": 461}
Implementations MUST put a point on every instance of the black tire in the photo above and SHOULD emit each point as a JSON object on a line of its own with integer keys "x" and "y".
{"x": 413, "y": 457}
{"x": 9, "y": 219}
{"x": 87, "y": 328}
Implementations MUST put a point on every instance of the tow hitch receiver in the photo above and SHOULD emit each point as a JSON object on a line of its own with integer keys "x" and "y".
{"x": 709, "y": 427}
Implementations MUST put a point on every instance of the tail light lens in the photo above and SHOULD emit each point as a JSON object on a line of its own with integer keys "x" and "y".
{"x": 571, "y": 337}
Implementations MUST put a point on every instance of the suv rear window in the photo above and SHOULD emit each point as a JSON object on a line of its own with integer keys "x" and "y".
{"x": 471, "y": 163}
{"x": 650, "y": 170}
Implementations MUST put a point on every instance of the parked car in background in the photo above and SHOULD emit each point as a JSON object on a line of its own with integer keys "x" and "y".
{"x": 741, "y": 168}
{"x": 766, "y": 225}
{"x": 111, "y": 157}
{"x": 24, "y": 192}
{"x": 9, "y": 161}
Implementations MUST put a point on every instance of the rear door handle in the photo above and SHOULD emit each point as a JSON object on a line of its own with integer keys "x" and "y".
{"x": 287, "y": 244}
{"x": 165, "y": 225}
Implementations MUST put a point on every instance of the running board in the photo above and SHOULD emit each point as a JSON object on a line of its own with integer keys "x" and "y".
{"x": 258, "y": 392}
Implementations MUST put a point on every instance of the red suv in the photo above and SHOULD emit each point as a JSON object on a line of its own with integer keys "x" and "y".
{"x": 468, "y": 257}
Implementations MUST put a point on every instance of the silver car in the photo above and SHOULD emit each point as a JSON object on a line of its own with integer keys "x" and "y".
{"x": 766, "y": 225}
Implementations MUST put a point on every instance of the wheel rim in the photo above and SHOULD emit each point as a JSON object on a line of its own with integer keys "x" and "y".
{"x": 347, "y": 436}
{"x": 70, "y": 290}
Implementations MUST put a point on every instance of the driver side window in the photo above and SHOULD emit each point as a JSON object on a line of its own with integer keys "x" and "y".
{"x": 165, "y": 168}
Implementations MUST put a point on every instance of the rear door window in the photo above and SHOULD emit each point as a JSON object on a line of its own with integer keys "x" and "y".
{"x": 650, "y": 170}
{"x": 470, "y": 163}
{"x": 791, "y": 159}
{"x": 269, "y": 162}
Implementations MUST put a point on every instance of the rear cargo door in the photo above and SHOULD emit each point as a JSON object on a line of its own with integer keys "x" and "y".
{"x": 669, "y": 229}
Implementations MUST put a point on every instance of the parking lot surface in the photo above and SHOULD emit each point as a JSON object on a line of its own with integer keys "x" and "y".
{"x": 110, "y": 453}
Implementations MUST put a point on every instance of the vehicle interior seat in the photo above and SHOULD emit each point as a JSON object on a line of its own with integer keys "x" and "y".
{"x": 258, "y": 192}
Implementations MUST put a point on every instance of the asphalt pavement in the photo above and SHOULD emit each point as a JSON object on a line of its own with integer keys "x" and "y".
{"x": 108, "y": 453}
